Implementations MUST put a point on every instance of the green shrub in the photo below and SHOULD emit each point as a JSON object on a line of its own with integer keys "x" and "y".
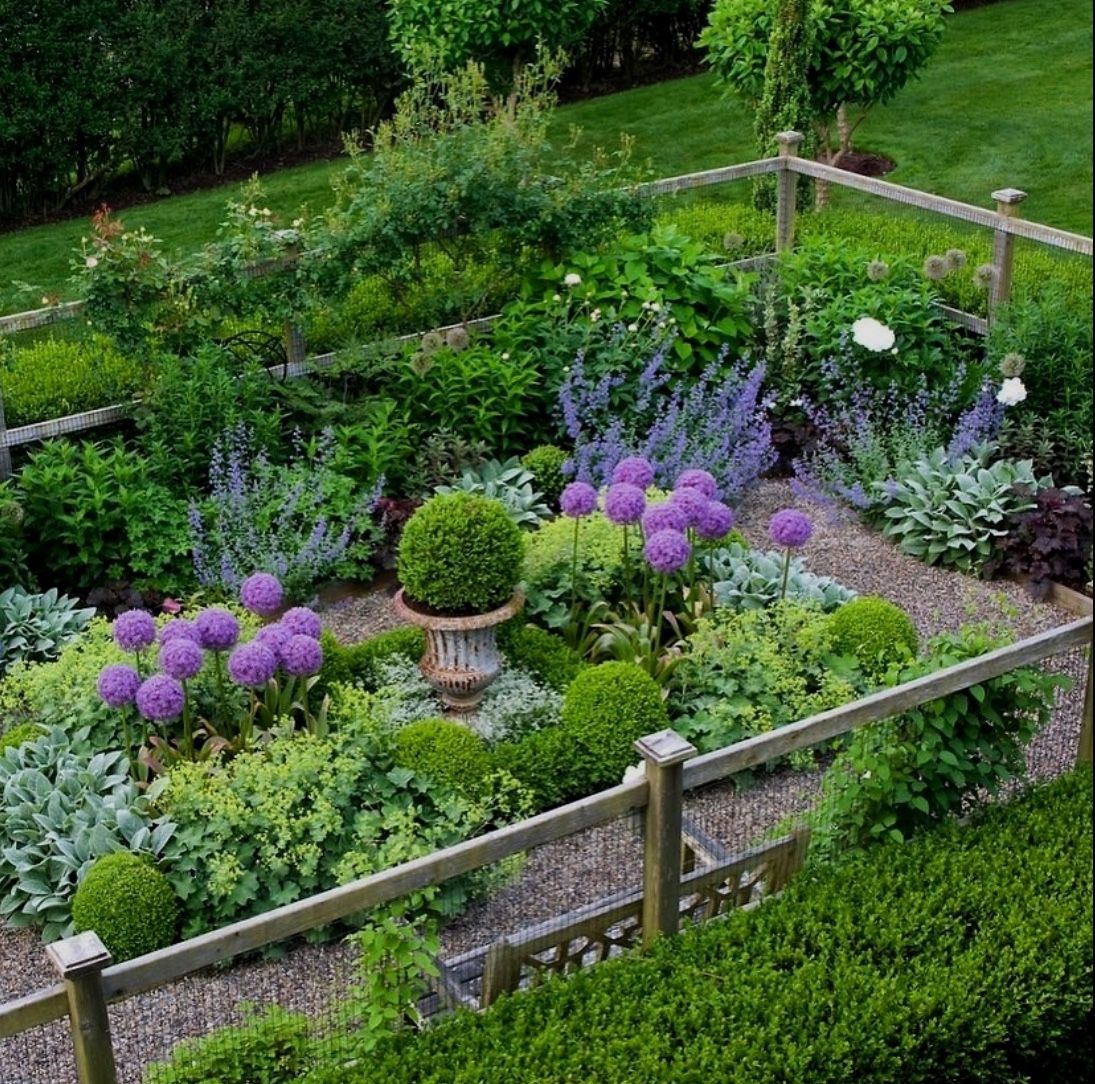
{"x": 876, "y": 631}
{"x": 606, "y": 710}
{"x": 445, "y": 751}
{"x": 55, "y": 377}
{"x": 356, "y": 664}
{"x": 545, "y": 461}
{"x": 460, "y": 554}
{"x": 547, "y": 657}
{"x": 964, "y": 956}
{"x": 736, "y": 230}
{"x": 550, "y": 765}
{"x": 18, "y": 735}
{"x": 129, "y": 903}
{"x": 13, "y": 551}
{"x": 902, "y": 775}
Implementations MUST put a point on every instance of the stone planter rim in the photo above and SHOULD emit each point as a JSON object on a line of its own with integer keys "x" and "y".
{"x": 445, "y": 623}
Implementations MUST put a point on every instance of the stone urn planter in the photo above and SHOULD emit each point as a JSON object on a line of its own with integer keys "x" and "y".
{"x": 462, "y": 657}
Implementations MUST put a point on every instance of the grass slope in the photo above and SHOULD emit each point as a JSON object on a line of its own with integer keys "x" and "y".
{"x": 1005, "y": 102}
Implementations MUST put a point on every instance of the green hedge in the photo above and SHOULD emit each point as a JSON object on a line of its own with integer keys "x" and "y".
{"x": 965, "y": 956}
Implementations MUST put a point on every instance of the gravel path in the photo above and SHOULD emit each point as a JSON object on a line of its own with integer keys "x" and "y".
{"x": 568, "y": 873}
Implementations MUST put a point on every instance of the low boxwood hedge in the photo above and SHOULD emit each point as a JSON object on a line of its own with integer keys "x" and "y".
{"x": 964, "y": 956}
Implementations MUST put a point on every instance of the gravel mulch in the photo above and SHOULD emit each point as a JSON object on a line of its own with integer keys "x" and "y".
{"x": 568, "y": 873}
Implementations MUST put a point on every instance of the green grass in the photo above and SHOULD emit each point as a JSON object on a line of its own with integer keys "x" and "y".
{"x": 1006, "y": 102}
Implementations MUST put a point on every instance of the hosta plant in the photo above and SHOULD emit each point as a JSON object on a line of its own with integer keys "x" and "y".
{"x": 510, "y": 483}
{"x": 951, "y": 512}
{"x": 748, "y": 579}
{"x": 62, "y": 808}
{"x": 34, "y": 627}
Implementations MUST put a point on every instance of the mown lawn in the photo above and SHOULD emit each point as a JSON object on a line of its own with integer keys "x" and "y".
{"x": 1006, "y": 102}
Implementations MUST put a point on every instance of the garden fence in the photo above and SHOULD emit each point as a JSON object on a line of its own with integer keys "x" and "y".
{"x": 683, "y": 843}
{"x": 1004, "y": 222}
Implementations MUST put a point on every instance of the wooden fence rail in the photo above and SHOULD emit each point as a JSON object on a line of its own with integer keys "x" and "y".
{"x": 672, "y": 769}
{"x": 1004, "y": 223}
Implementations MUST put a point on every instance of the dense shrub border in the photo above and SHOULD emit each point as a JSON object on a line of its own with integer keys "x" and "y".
{"x": 965, "y": 955}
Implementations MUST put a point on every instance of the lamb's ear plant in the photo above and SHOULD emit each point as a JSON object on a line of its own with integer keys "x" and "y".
{"x": 510, "y": 483}
{"x": 749, "y": 579}
{"x": 34, "y": 627}
{"x": 951, "y": 512}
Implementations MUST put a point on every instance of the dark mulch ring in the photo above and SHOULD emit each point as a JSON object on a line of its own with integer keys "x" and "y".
{"x": 866, "y": 163}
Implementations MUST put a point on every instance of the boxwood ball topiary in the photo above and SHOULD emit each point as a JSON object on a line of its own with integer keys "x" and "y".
{"x": 606, "y": 709}
{"x": 447, "y": 752}
{"x": 460, "y": 554}
{"x": 876, "y": 631}
{"x": 129, "y": 903}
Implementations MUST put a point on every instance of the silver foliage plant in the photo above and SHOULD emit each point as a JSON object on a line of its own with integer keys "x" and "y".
{"x": 748, "y": 579}
{"x": 34, "y": 627}
{"x": 508, "y": 482}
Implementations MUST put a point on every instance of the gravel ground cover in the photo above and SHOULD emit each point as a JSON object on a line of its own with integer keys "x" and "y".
{"x": 560, "y": 876}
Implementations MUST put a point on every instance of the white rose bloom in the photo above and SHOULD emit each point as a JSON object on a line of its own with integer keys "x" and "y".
{"x": 632, "y": 327}
{"x": 872, "y": 334}
{"x": 573, "y": 279}
{"x": 1012, "y": 391}
{"x": 636, "y": 771}
{"x": 91, "y": 262}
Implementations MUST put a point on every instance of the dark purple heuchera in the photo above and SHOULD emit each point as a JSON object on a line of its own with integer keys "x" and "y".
{"x": 261, "y": 594}
{"x": 790, "y": 529}
{"x": 300, "y": 621}
{"x": 252, "y": 664}
{"x": 578, "y": 499}
{"x": 118, "y": 685}
{"x": 667, "y": 551}
{"x": 624, "y": 503}
{"x": 218, "y": 630}
{"x": 181, "y": 658}
{"x": 718, "y": 423}
{"x": 160, "y": 698}
{"x": 134, "y": 630}
{"x": 302, "y": 656}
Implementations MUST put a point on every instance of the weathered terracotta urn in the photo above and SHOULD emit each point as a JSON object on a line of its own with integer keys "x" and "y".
{"x": 462, "y": 656}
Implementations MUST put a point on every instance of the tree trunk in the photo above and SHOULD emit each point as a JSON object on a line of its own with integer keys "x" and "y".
{"x": 825, "y": 154}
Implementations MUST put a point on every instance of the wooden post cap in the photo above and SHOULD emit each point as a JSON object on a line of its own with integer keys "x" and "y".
{"x": 1009, "y": 196}
{"x": 79, "y": 954}
{"x": 664, "y": 748}
{"x": 788, "y": 141}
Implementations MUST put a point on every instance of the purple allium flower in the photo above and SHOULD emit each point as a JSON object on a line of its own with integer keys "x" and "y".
{"x": 577, "y": 500}
{"x": 160, "y": 697}
{"x": 790, "y": 528}
{"x": 301, "y": 656}
{"x": 715, "y": 521}
{"x": 134, "y": 630}
{"x": 300, "y": 621}
{"x": 690, "y": 501}
{"x": 181, "y": 658}
{"x": 179, "y": 628}
{"x": 274, "y": 637}
{"x": 701, "y": 480}
{"x": 625, "y": 503}
{"x": 253, "y": 664}
{"x": 218, "y": 630}
{"x": 664, "y": 517}
{"x": 667, "y": 551}
{"x": 635, "y": 470}
{"x": 261, "y": 594}
{"x": 118, "y": 684}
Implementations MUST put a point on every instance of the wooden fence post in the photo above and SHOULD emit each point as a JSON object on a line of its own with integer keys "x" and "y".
{"x": 664, "y": 754}
{"x": 1083, "y": 750}
{"x": 79, "y": 961}
{"x": 786, "y": 191}
{"x": 5, "y": 451}
{"x": 501, "y": 972}
{"x": 1007, "y": 205}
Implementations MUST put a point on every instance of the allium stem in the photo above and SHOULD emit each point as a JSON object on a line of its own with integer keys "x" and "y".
{"x": 188, "y": 730}
{"x": 786, "y": 573}
{"x": 218, "y": 670}
{"x": 574, "y": 571}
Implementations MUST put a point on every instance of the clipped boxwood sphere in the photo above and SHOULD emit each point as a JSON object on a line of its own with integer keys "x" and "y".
{"x": 446, "y": 751}
{"x": 607, "y": 709}
{"x": 129, "y": 903}
{"x": 545, "y": 463}
{"x": 876, "y": 631}
{"x": 460, "y": 554}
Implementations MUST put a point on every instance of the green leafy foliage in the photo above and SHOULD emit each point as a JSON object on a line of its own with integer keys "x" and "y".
{"x": 547, "y": 657}
{"x": 357, "y": 664}
{"x": 545, "y": 464}
{"x": 128, "y": 902}
{"x": 952, "y": 513}
{"x": 510, "y": 483}
{"x": 13, "y": 556}
{"x": 876, "y": 631}
{"x": 902, "y": 775}
{"x": 919, "y": 963}
{"x": 460, "y": 554}
{"x": 446, "y": 751}
{"x": 747, "y": 579}
{"x": 64, "y": 807}
{"x": 34, "y": 628}
{"x": 753, "y": 671}
{"x": 18, "y": 735}
{"x": 54, "y": 377}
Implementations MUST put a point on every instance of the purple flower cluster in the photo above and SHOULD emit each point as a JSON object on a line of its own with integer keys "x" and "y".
{"x": 625, "y": 503}
{"x": 252, "y": 664}
{"x": 160, "y": 698}
{"x": 181, "y": 658}
{"x": 664, "y": 517}
{"x": 634, "y": 470}
{"x": 691, "y": 502}
{"x": 790, "y": 529}
{"x": 578, "y": 499}
{"x": 302, "y": 656}
{"x": 218, "y": 630}
{"x": 261, "y": 594}
{"x": 134, "y": 630}
{"x": 667, "y": 551}
{"x": 978, "y": 424}
{"x": 118, "y": 684}
{"x": 714, "y": 521}
{"x": 300, "y": 621}
{"x": 700, "y": 480}
{"x": 179, "y": 628}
